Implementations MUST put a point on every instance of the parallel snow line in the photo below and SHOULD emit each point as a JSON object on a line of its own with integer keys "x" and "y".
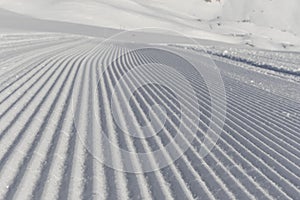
{"x": 175, "y": 115}
{"x": 22, "y": 42}
{"x": 259, "y": 94}
{"x": 86, "y": 165}
{"x": 194, "y": 173}
{"x": 105, "y": 63}
{"x": 121, "y": 191}
{"x": 62, "y": 155}
{"x": 224, "y": 156}
{"x": 168, "y": 72}
{"x": 18, "y": 52}
{"x": 99, "y": 182}
{"x": 30, "y": 62}
{"x": 74, "y": 163}
{"x": 129, "y": 143}
{"x": 40, "y": 67}
{"x": 38, "y": 136}
{"x": 10, "y": 51}
{"x": 271, "y": 103}
{"x": 265, "y": 117}
{"x": 33, "y": 56}
{"x": 42, "y": 100}
{"x": 192, "y": 159}
{"x": 161, "y": 145}
{"x": 135, "y": 179}
{"x": 277, "y": 138}
{"x": 64, "y": 186}
{"x": 129, "y": 62}
{"x": 164, "y": 189}
{"x": 27, "y": 63}
{"x": 10, "y": 80}
{"x": 39, "y": 90}
{"x": 37, "y": 163}
{"x": 288, "y": 123}
{"x": 35, "y": 61}
{"x": 39, "y": 188}
{"x": 20, "y": 135}
{"x": 272, "y": 99}
{"x": 9, "y": 138}
{"x": 88, "y": 125}
{"x": 13, "y": 133}
{"x": 259, "y": 159}
{"x": 237, "y": 176}
{"x": 76, "y": 182}
{"x": 245, "y": 96}
{"x": 181, "y": 183}
{"x": 237, "y": 119}
{"x": 142, "y": 182}
{"x": 15, "y": 44}
{"x": 112, "y": 184}
{"x": 17, "y": 115}
{"x": 242, "y": 117}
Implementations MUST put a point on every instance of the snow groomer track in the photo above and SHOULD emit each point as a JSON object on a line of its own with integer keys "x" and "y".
{"x": 49, "y": 118}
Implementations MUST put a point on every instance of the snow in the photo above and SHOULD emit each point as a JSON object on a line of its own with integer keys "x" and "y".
{"x": 283, "y": 15}
{"x": 264, "y": 24}
{"x": 64, "y": 131}
{"x": 49, "y": 153}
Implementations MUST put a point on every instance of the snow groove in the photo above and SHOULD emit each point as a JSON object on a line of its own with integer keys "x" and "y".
{"x": 56, "y": 111}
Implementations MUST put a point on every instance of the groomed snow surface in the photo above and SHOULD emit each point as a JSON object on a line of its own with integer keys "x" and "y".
{"x": 47, "y": 84}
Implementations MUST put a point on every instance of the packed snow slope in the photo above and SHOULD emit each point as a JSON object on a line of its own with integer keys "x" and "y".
{"x": 48, "y": 117}
{"x": 265, "y": 24}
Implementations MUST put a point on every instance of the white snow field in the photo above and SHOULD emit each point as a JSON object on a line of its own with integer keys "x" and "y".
{"x": 74, "y": 124}
{"x": 268, "y": 24}
{"x": 48, "y": 116}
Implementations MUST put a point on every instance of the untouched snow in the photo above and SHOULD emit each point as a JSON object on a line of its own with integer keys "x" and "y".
{"x": 264, "y": 24}
{"x": 282, "y": 15}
